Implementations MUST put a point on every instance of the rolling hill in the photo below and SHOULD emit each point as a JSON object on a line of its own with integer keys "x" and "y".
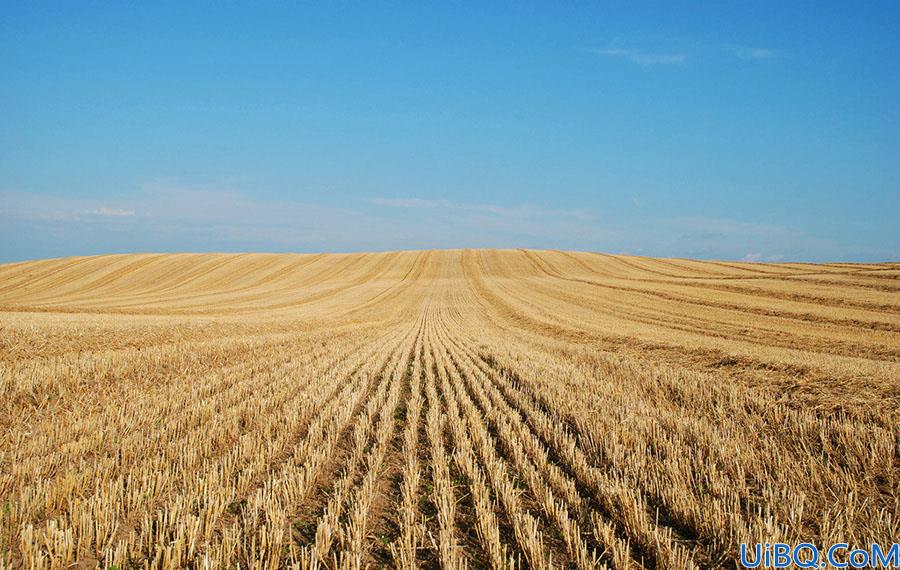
{"x": 456, "y": 408}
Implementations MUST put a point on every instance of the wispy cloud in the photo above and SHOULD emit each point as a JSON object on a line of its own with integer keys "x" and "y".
{"x": 658, "y": 50}
{"x": 521, "y": 211}
{"x": 759, "y": 256}
{"x": 752, "y": 53}
{"x": 165, "y": 218}
{"x": 724, "y": 238}
{"x": 39, "y": 207}
{"x": 114, "y": 212}
{"x": 643, "y": 57}
{"x": 203, "y": 219}
{"x": 409, "y": 202}
{"x": 169, "y": 218}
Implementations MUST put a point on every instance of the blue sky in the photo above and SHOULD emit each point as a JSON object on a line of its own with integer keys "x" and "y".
{"x": 759, "y": 131}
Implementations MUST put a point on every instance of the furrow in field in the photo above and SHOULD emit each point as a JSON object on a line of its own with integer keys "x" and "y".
{"x": 558, "y": 506}
{"x": 74, "y": 445}
{"x": 230, "y": 486}
{"x": 722, "y": 501}
{"x": 559, "y": 473}
{"x": 443, "y": 535}
{"x": 563, "y": 497}
{"x": 410, "y": 529}
{"x": 502, "y": 409}
{"x": 827, "y": 375}
{"x": 66, "y": 414}
{"x": 720, "y": 322}
{"x": 340, "y": 527}
{"x": 261, "y": 532}
{"x": 765, "y": 286}
{"x": 752, "y": 305}
{"x": 668, "y": 319}
{"x": 541, "y": 551}
{"x": 219, "y": 452}
{"x": 161, "y": 428}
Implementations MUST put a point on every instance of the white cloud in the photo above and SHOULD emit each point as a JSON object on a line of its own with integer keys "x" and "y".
{"x": 759, "y": 256}
{"x": 409, "y": 202}
{"x": 520, "y": 211}
{"x": 676, "y": 51}
{"x": 114, "y": 212}
{"x": 754, "y": 53}
{"x": 184, "y": 218}
{"x": 728, "y": 227}
{"x": 191, "y": 219}
{"x": 642, "y": 57}
{"x": 752, "y": 257}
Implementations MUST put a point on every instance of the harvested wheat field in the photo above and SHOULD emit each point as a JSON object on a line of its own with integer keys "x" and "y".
{"x": 443, "y": 409}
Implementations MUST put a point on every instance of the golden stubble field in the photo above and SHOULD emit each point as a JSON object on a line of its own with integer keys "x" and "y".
{"x": 446, "y": 409}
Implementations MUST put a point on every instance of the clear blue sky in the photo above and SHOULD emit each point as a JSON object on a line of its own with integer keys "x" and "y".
{"x": 714, "y": 130}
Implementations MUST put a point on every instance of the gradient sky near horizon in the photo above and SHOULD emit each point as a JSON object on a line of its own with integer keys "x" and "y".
{"x": 758, "y": 131}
